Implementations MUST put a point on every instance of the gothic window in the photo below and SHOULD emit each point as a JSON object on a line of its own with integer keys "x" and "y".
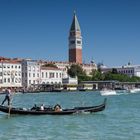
{"x": 19, "y": 73}
{"x": 60, "y": 75}
{"x": 4, "y": 80}
{"x": 56, "y": 75}
{"x": 51, "y": 75}
{"x": 42, "y": 74}
{"x": 8, "y": 80}
{"x": 38, "y": 75}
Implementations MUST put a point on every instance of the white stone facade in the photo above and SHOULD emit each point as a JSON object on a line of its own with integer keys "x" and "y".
{"x": 51, "y": 75}
{"x": 70, "y": 81}
{"x": 10, "y": 74}
{"x": 27, "y": 73}
{"x": 89, "y": 67}
{"x": 65, "y": 65}
{"x": 130, "y": 70}
{"x": 30, "y": 73}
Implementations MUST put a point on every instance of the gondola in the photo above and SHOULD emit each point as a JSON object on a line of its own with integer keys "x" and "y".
{"x": 52, "y": 111}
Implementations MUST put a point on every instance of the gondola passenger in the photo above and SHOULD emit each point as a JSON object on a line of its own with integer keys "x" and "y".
{"x": 57, "y": 108}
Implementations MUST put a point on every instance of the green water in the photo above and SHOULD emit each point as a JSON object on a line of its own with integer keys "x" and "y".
{"x": 119, "y": 121}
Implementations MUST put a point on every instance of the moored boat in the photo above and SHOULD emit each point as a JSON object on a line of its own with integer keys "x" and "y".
{"x": 52, "y": 111}
{"x": 134, "y": 90}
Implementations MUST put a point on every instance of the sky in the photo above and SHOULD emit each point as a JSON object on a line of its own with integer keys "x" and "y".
{"x": 39, "y": 29}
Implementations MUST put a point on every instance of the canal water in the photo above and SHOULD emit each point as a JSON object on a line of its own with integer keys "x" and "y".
{"x": 119, "y": 121}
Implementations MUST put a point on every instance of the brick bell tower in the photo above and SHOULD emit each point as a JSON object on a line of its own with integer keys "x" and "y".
{"x": 75, "y": 42}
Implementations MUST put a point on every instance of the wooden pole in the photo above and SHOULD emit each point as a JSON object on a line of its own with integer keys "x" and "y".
{"x": 10, "y": 104}
{"x": 9, "y": 110}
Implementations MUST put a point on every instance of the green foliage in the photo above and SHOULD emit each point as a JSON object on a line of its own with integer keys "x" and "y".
{"x": 76, "y": 70}
{"x": 96, "y": 75}
{"x": 84, "y": 78}
{"x": 114, "y": 75}
{"x": 50, "y": 65}
{"x": 118, "y": 77}
{"x": 134, "y": 79}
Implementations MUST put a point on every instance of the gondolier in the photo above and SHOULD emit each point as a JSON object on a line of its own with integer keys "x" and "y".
{"x": 7, "y": 96}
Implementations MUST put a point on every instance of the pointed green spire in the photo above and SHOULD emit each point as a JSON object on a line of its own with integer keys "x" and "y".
{"x": 75, "y": 24}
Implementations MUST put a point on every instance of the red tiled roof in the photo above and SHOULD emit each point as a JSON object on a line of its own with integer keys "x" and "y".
{"x": 10, "y": 61}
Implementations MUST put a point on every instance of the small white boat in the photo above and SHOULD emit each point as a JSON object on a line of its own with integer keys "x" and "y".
{"x": 121, "y": 91}
{"x": 108, "y": 92}
{"x": 135, "y": 90}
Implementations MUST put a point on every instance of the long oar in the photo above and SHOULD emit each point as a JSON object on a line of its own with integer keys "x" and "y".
{"x": 10, "y": 106}
{"x": 9, "y": 110}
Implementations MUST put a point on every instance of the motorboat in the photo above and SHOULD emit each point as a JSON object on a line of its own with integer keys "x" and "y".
{"x": 108, "y": 92}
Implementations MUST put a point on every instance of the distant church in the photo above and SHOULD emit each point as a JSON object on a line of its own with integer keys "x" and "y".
{"x": 75, "y": 42}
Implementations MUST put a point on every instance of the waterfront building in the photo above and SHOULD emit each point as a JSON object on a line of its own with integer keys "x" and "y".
{"x": 10, "y": 73}
{"x": 75, "y": 42}
{"x": 64, "y": 66}
{"x": 130, "y": 70}
{"x": 51, "y": 75}
{"x": 30, "y": 73}
{"x": 70, "y": 83}
{"x": 88, "y": 68}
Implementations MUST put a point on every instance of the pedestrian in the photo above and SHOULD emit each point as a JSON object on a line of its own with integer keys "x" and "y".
{"x": 7, "y": 97}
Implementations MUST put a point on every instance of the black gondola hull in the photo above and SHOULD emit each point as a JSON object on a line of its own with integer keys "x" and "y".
{"x": 49, "y": 111}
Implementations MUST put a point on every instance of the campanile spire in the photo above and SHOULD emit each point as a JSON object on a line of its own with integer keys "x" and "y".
{"x": 75, "y": 41}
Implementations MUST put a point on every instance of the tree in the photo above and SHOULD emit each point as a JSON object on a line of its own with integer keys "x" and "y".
{"x": 97, "y": 75}
{"x": 118, "y": 77}
{"x": 134, "y": 79}
{"x": 75, "y": 70}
